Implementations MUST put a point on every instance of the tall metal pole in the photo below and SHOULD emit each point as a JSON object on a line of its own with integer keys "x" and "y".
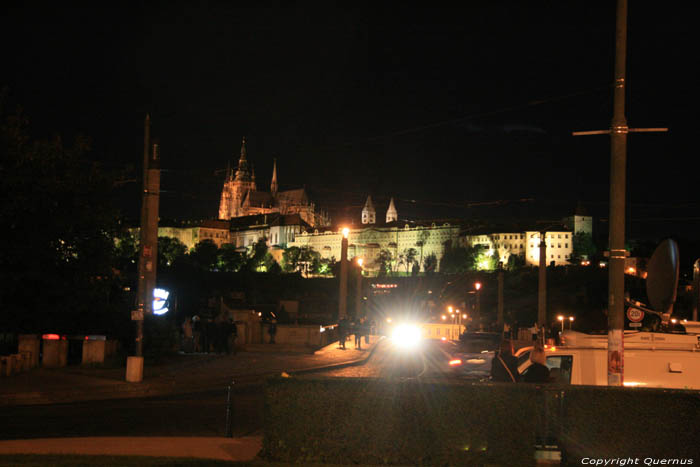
{"x": 618, "y": 162}
{"x": 141, "y": 300}
{"x": 358, "y": 291}
{"x": 542, "y": 286}
{"x": 343, "y": 299}
{"x": 500, "y": 298}
{"x": 696, "y": 289}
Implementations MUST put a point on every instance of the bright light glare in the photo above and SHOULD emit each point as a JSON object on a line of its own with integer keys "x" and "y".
{"x": 160, "y": 297}
{"x": 406, "y": 336}
{"x": 456, "y": 361}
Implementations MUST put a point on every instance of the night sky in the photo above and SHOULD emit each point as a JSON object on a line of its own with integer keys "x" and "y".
{"x": 443, "y": 109}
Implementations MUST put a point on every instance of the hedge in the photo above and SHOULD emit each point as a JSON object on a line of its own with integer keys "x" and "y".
{"x": 378, "y": 421}
{"x": 609, "y": 422}
{"x": 382, "y": 421}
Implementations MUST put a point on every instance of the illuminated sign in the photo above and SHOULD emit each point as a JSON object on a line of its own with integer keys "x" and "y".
{"x": 160, "y": 301}
{"x": 384, "y": 286}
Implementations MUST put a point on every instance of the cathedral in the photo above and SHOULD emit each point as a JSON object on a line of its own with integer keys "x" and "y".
{"x": 240, "y": 196}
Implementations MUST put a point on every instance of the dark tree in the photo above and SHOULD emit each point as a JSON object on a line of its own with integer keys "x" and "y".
{"x": 57, "y": 259}
{"x": 230, "y": 260}
{"x": 205, "y": 255}
{"x": 170, "y": 250}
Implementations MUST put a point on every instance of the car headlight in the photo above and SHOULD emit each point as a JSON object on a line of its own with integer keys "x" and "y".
{"x": 406, "y": 336}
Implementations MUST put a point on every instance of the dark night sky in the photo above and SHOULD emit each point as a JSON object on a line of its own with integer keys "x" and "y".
{"x": 437, "y": 107}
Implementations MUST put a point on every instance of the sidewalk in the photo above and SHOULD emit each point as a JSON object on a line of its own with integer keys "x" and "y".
{"x": 180, "y": 375}
{"x": 227, "y": 449}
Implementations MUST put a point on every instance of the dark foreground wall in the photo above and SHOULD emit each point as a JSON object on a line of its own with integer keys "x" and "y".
{"x": 366, "y": 421}
{"x": 351, "y": 421}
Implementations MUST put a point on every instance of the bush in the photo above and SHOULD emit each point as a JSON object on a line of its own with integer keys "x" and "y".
{"x": 366, "y": 421}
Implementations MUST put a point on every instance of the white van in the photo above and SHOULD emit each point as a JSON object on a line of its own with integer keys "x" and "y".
{"x": 651, "y": 359}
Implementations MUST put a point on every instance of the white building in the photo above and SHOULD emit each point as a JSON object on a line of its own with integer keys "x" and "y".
{"x": 367, "y": 240}
{"x": 527, "y": 245}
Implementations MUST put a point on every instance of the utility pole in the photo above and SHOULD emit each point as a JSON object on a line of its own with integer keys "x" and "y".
{"x": 618, "y": 161}
{"x": 542, "y": 287}
{"x": 148, "y": 247}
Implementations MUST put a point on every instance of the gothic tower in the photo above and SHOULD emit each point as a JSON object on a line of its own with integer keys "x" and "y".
{"x": 391, "y": 214}
{"x": 369, "y": 214}
{"x": 273, "y": 184}
{"x": 236, "y": 187}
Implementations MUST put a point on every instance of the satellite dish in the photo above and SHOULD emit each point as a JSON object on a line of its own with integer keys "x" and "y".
{"x": 662, "y": 278}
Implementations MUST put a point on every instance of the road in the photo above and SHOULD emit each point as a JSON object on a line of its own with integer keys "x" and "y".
{"x": 201, "y": 414}
{"x": 430, "y": 360}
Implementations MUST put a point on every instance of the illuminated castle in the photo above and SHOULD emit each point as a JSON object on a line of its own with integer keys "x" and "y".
{"x": 240, "y": 196}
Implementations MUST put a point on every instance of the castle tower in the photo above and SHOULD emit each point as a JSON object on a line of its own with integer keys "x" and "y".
{"x": 391, "y": 213}
{"x": 236, "y": 187}
{"x": 369, "y": 214}
{"x": 273, "y": 184}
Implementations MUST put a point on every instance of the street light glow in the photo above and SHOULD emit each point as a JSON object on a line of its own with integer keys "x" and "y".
{"x": 346, "y": 232}
{"x": 477, "y": 285}
{"x": 360, "y": 261}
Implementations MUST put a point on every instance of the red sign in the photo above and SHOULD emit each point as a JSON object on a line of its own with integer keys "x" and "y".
{"x": 635, "y": 315}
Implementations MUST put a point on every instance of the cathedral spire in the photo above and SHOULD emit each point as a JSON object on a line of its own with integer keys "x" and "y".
{"x": 242, "y": 172}
{"x": 244, "y": 152}
{"x": 391, "y": 213}
{"x": 273, "y": 184}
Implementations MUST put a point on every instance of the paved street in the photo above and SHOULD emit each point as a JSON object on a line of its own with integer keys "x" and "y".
{"x": 200, "y": 414}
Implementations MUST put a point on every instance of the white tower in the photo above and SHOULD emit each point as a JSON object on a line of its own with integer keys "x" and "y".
{"x": 369, "y": 214}
{"x": 391, "y": 214}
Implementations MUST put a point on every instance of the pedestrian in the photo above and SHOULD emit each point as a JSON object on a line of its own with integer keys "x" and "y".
{"x": 197, "y": 333}
{"x": 272, "y": 330}
{"x": 357, "y": 329}
{"x": 534, "y": 331}
{"x": 504, "y": 366}
{"x": 187, "y": 335}
{"x": 233, "y": 335}
{"x": 221, "y": 330}
{"x": 208, "y": 332}
{"x": 538, "y": 371}
{"x": 342, "y": 332}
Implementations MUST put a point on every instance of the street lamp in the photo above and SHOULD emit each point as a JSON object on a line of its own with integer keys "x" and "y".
{"x": 342, "y": 302}
{"x": 358, "y": 291}
{"x": 561, "y": 320}
{"x": 477, "y": 286}
{"x": 571, "y": 321}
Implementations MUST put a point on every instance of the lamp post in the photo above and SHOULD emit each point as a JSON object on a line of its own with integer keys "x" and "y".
{"x": 477, "y": 286}
{"x": 358, "y": 292}
{"x": 571, "y": 321}
{"x": 561, "y": 320}
{"x": 343, "y": 299}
